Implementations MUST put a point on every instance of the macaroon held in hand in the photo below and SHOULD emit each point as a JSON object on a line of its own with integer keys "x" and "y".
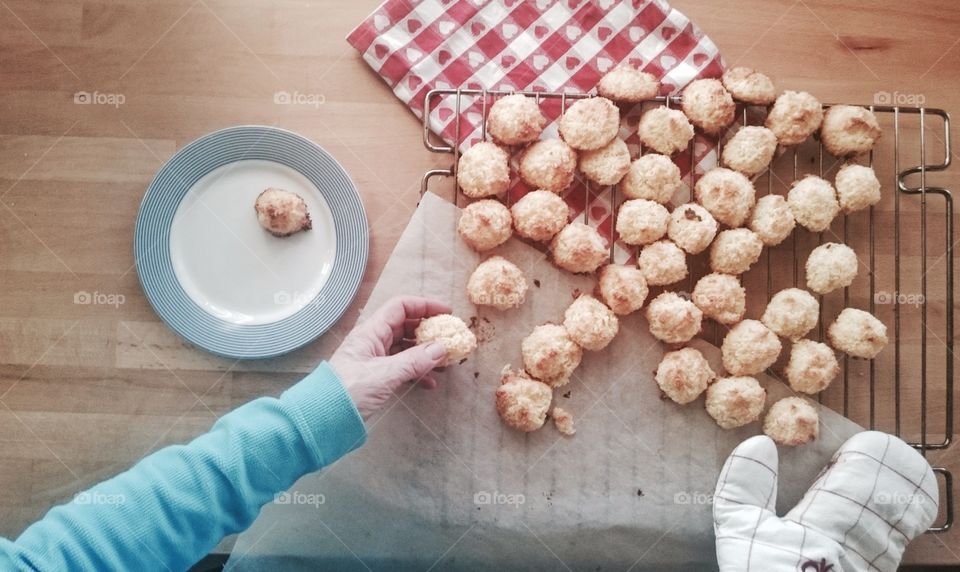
{"x": 378, "y": 356}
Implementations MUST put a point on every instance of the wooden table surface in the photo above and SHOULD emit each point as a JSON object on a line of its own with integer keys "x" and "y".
{"x": 88, "y": 389}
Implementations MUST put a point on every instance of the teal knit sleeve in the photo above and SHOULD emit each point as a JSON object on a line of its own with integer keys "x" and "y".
{"x": 175, "y": 505}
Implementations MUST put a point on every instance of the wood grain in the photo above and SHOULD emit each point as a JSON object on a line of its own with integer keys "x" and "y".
{"x": 87, "y": 390}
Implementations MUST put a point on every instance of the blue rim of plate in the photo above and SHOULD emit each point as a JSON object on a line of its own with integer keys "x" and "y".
{"x": 170, "y": 186}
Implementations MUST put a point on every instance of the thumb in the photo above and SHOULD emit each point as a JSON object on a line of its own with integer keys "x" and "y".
{"x": 414, "y": 363}
{"x": 748, "y": 479}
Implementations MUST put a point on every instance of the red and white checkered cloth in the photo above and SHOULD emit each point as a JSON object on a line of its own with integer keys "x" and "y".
{"x": 535, "y": 45}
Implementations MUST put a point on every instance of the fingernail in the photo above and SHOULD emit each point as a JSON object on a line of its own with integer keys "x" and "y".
{"x": 436, "y": 350}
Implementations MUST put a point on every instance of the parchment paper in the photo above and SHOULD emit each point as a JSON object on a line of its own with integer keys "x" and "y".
{"x": 442, "y": 482}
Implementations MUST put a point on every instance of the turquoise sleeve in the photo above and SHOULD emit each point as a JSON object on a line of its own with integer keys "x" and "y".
{"x": 174, "y": 506}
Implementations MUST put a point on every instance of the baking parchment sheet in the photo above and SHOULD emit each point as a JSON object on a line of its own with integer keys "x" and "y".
{"x": 443, "y": 483}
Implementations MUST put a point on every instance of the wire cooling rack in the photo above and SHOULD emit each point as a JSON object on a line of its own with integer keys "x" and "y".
{"x": 904, "y": 243}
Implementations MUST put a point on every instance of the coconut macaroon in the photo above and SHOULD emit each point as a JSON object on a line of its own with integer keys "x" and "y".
{"x": 791, "y": 313}
{"x": 628, "y": 84}
{"x": 664, "y": 130}
{"x": 683, "y": 375}
{"x": 812, "y": 366}
{"x": 540, "y": 215}
{"x": 281, "y": 212}
{"x": 563, "y": 421}
{"x": 813, "y": 203}
{"x": 673, "y": 319}
{"x": 708, "y": 105}
{"x": 792, "y": 422}
{"x": 795, "y": 115}
{"x": 750, "y": 150}
{"x": 590, "y": 123}
{"x": 550, "y": 355}
{"x": 662, "y": 263}
{"x": 606, "y": 165}
{"x": 641, "y": 221}
{"x": 857, "y": 187}
{"x": 483, "y": 170}
{"x": 735, "y": 401}
{"x": 750, "y": 86}
{"x": 849, "y": 130}
{"x": 515, "y": 120}
{"x": 579, "y": 248}
{"x": 727, "y": 194}
{"x": 831, "y": 266}
{"x": 653, "y": 177}
{"x": 721, "y": 298}
{"x": 772, "y": 219}
{"x": 497, "y": 282}
{"x": 590, "y": 323}
{"x": 522, "y": 402}
{"x": 858, "y": 333}
{"x": 734, "y": 251}
{"x": 749, "y": 348}
{"x": 485, "y": 224}
{"x": 692, "y": 227}
{"x": 549, "y": 164}
{"x": 622, "y": 288}
{"x": 450, "y": 331}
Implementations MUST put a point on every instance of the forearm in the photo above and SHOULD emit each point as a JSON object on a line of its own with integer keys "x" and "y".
{"x": 171, "y": 508}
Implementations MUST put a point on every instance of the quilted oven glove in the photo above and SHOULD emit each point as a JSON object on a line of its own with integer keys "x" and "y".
{"x": 874, "y": 497}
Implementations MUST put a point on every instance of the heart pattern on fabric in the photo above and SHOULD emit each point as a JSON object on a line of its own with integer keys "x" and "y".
{"x": 445, "y": 27}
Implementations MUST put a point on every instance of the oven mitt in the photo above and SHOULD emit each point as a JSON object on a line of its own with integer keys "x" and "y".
{"x": 874, "y": 496}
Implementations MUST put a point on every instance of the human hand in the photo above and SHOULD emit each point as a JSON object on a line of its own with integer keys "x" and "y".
{"x": 378, "y": 356}
{"x": 874, "y": 497}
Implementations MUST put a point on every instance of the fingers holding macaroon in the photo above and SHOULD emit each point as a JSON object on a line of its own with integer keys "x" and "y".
{"x": 451, "y": 333}
{"x": 391, "y": 322}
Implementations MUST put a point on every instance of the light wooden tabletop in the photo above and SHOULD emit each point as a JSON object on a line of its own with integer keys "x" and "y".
{"x": 88, "y": 389}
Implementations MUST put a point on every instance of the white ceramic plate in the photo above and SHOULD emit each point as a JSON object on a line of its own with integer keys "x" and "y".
{"x": 218, "y": 278}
